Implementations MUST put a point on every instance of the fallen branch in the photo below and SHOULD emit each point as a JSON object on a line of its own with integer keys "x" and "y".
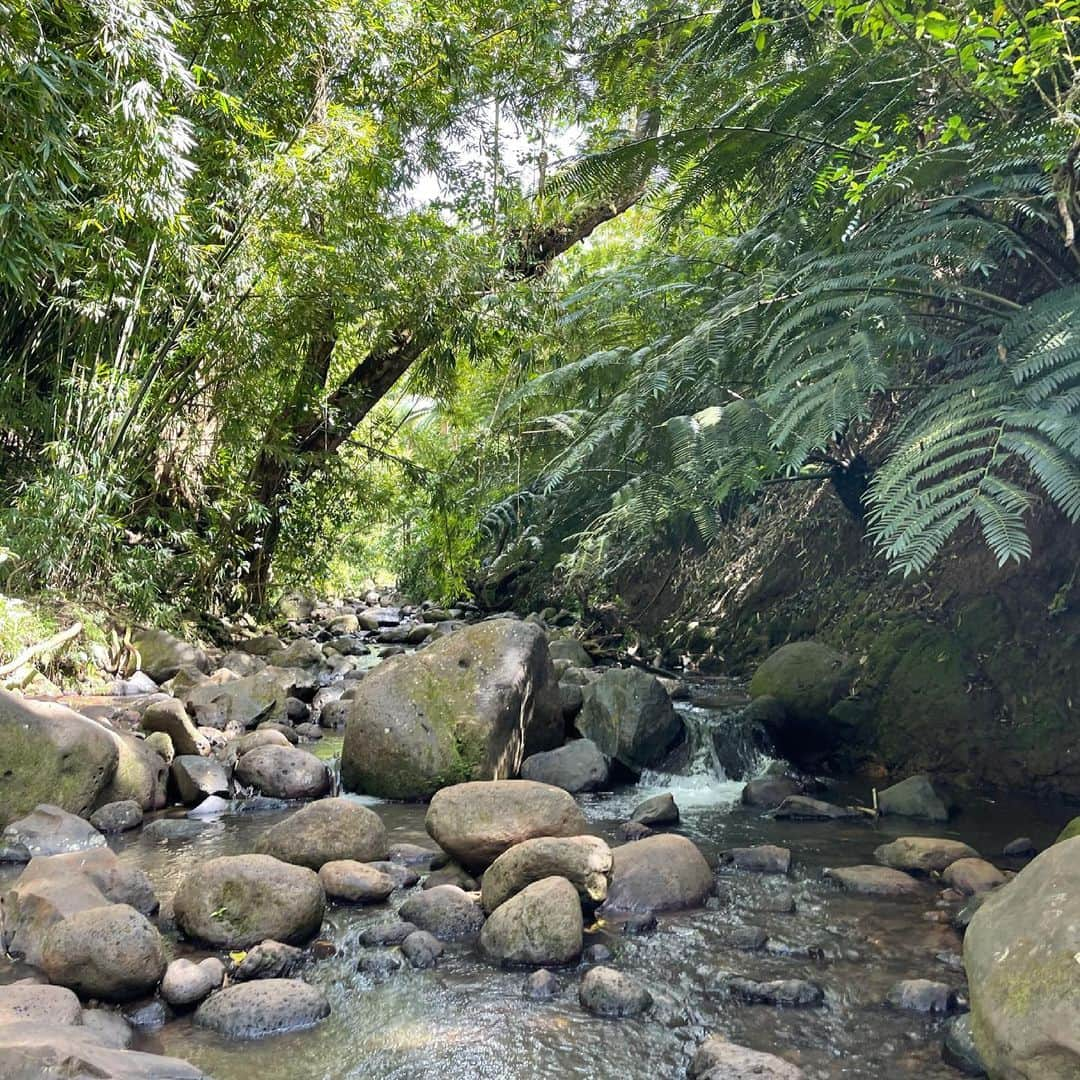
{"x": 46, "y": 646}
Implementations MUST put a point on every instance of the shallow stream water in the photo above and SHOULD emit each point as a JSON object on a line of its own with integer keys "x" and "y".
{"x": 466, "y": 1020}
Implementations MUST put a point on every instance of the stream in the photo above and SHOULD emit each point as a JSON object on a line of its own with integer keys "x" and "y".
{"x": 465, "y": 1020}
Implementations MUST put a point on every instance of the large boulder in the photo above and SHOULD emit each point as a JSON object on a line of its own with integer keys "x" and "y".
{"x": 875, "y": 881}
{"x": 1020, "y": 952}
{"x": 253, "y": 1010}
{"x": 196, "y": 777}
{"x": 542, "y": 924}
{"x": 659, "y": 873}
{"x": 630, "y": 717}
{"x": 51, "y": 755}
{"x": 330, "y": 830}
{"x": 718, "y": 1059}
{"x": 161, "y": 655}
{"x": 807, "y": 679}
{"x": 284, "y": 772}
{"x": 239, "y": 900}
{"x": 445, "y": 911}
{"x": 112, "y": 953}
{"x": 572, "y": 651}
{"x": 471, "y": 706}
{"x": 141, "y": 773}
{"x": 476, "y": 822}
{"x": 1070, "y": 831}
{"x": 171, "y": 718}
{"x": 585, "y": 861}
{"x": 577, "y": 766}
{"x": 355, "y": 882}
{"x": 916, "y": 797}
{"x": 48, "y": 830}
{"x": 926, "y": 854}
{"x": 246, "y": 701}
{"x": 607, "y": 992}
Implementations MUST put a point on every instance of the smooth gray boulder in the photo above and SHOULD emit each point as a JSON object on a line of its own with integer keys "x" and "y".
{"x": 923, "y": 854}
{"x": 607, "y": 992}
{"x": 171, "y": 718}
{"x": 51, "y": 755}
{"x": 253, "y": 1010}
{"x": 284, "y": 772}
{"x": 476, "y": 822}
{"x": 972, "y": 876}
{"x": 32, "y": 1001}
{"x": 187, "y": 983}
{"x": 577, "y": 766}
{"x": 542, "y": 924}
{"x": 247, "y": 701}
{"x": 355, "y": 882}
{"x": 585, "y": 861}
{"x": 329, "y": 830}
{"x": 916, "y": 797}
{"x": 445, "y": 911}
{"x": 876, "y": 881}
{"x": 657, "y": 810}
{"x": 49, "y": 830}
{"x": 117, "y": 817}
{"x": 471, "y": 706}
{"x": 236, "y": 901}
{"x": 162, "y": 655}
{"x": 630, "y": 717}
{"x": 196, "y": 777}
{"x": 660, "y": 873}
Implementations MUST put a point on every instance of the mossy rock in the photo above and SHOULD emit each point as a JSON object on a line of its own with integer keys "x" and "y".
{"x": 1070, "y": 832}
{"x": 806, "y": 677}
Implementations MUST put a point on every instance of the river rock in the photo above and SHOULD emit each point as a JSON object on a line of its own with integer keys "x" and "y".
{"x": 141, "y": 772}
{"x": 768, "y": 792}
{"x": 577, "y": 766}
{"x": 51, "y": 755}
{"x": 268, "y": 960}
{"x": 875, "y": 881}
{"x": 476, "y": 822}
{"x": 922, "y": 995}
{"x": 423, "y": 858}
{"x": 247, "y": 701}
{"x": 959, "y": 1049}
{"x": 971, "y": 876}
{"x": 541, "y": 924}
{"x": 239, "y": 900}
{"x": 161, "y": 655}
{"x": 388, "y": 933}
{"x": 923, "y": 854}
{"x": 355, "y": 882}
{"x": 255, "y": 739}
{"x": 422, "y": 949}
{"x": 659, "y": 873}
{"x": 160, "y": 744}
{"x": 586, "y": 861}
{"x": 915, "y": 797}
{"x": 49, "y": 830}
{"x": 541, "y": 985}
{"x": 172, "y": 718}
{"x": 253, "y": 1010}
{"x": 1071, "y": 830}
{"x": 572, "y": 651}
{"x": 112, "y": 953}
{"x": 330, "y": 830}
{"x": 284, "y": 773}
{"x": 1020, "y": 954}
{"x": 762, "y": 859}
{"x": 789, "y": 993}
{"x": 803, "y": 808}
{"x": 718, "y": 1059}
{"x": 32, "y": 1001}
{"x": 1021, "y": 848}
{"x": 658, "y": 810}
{"x": 445, "y": 911}
{"x": 630, "y": 717}
{"x": 607, "y": 992}
{"x": 109, "y": 1027}
{"x": 470, "y": 706}
{"x": 187, "y": 983}
{"x": 197, "y": 777}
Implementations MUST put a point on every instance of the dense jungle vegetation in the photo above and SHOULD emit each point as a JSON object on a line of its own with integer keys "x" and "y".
{"x": 497, "y": 297}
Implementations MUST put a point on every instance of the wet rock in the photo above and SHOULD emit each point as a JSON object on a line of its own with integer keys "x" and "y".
{"x": 112, "y": 953}
{"x": 762, "y": 859}
{"x": 30, "y": 1001}
{"x": 423, "y": 858}
{"x": 380, "y": 962}
{"x": 109, "y": 1028}
{"x": 875, "y": 881}
{"x": 310, "y": 732}
{"x": 301, "y": 653}
{"x": 445, "y": 911}
{"x": 970, "y": 876}
{"x": 630, "y": 717}
{"x": 658, "y": 810}
{"x": 403, "y": 877}
{"x": 541, "y": 985}
{"x": 571, "y": 698}
{"x": 49, "y": 830}
{"x": 245, "y": 744}
{"x": 1020, "y": 953}
{"x": 961, "y": 920}
{"x": 213, "y": 806}
{"x": 745, "y": 938}
{"x": 597, "y": 953}
{"x": 922, "y": 995}
{"x": 472, "y": 705}
{"x": 451, "y": 875}
{"x": 586, "y": 861}
{"x": 284, "y": 773}
{"x": 330, "y": 830}
{"x": 768, "y": 792}
{"x": 355, "y": 882}
{"x": 959, "y": 1049}
{"x": 634, "y": 830}
{"x": 607, "y": 992}
{"x": 239, "y": 900}
{"x": 789, "y": 993}
{"x": 141, "y": 772}
{"x": 51, "y": 755}
{"x": 422, "y": 949}
{"x": 171, "y": 718}
{"x": 1020, "y": 848}
{"x": 292, "y": 737}
{"x": 196, "y": 777}
{"x": 390, "y": 933}
{"x": 780, "y": 902}
{"x": 117, "y": 817}
{"x": 252, "y": 1010}
{"x": 577, "y": 766}
{"x": 476, "y": 822}
{"x": 187, "y": 983}
{"x": 923, "y": 854}
{"x": 174, "y": 829}
{"x": 659, "y": 873}
{"x": 147, "y": 1015}
{"x": 915, "y": 797}
{"x": 162, "y": 655}
{"x": 570, "y": 650}
{"x": 803, "y": 808}
{"x": 268, "y": 960}
{"x": 718, "y": 1059}
{"x": 541, "y": 924}
{"x": 636, "y": 925}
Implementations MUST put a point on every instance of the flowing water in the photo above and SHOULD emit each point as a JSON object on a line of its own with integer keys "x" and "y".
{"x": 466, "y": 1020}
